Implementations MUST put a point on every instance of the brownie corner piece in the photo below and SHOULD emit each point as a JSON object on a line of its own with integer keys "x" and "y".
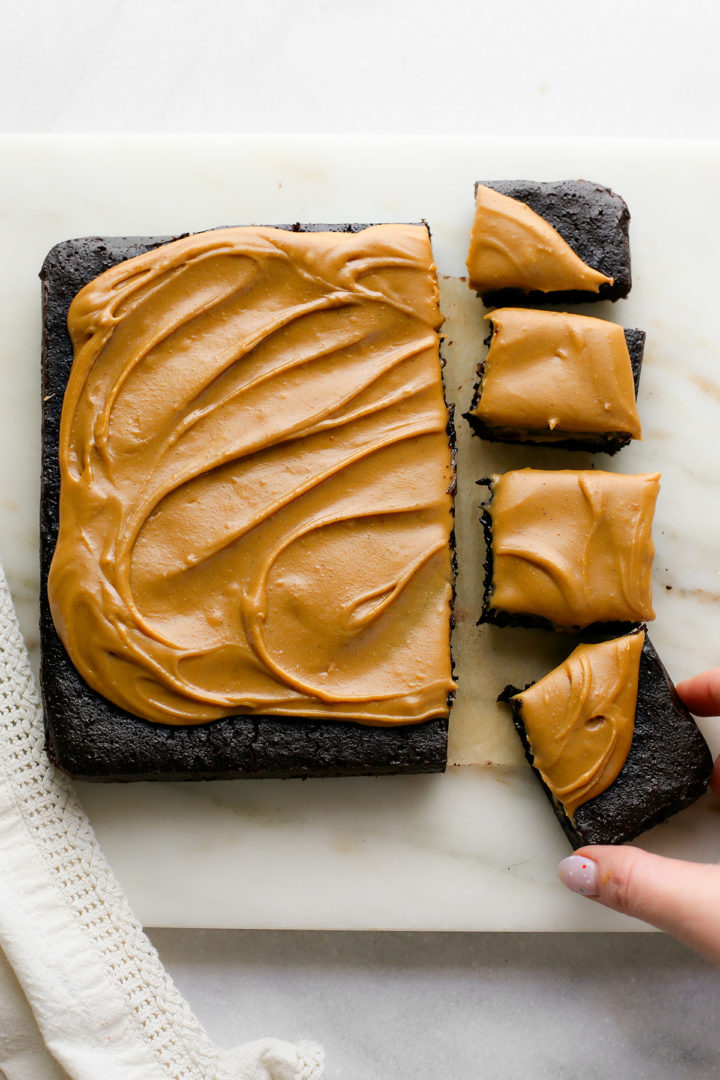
{"x": 591, "y": 218}
{"x": 668, "y": 766}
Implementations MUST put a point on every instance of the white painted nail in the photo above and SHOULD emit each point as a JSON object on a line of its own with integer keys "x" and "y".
{"x": 580, "y": 875}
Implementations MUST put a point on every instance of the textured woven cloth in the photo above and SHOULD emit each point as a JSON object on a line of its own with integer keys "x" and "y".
{"x": 89, "y": 997}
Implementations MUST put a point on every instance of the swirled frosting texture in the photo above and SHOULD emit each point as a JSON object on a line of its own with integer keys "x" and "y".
{"x": 573, "y": 547}
{"x": 255, "y": 506}
{"x": 579, "y": 720}
{"x": 550, "y": 372}
{"x": 512, "y": 247}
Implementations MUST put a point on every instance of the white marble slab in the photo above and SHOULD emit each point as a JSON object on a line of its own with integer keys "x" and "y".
{"x": 476, "y": 848}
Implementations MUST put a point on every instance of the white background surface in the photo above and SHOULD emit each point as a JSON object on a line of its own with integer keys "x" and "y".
{"x": 403, "y": 1005}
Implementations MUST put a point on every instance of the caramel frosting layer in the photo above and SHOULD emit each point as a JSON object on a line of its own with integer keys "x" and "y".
{"x": 552, "y": 372}
{"x": 573, "y": 547}
{"x": 512, "y": 247}
{"x": 579, "y": 720}
{"x": 256, "y": 481}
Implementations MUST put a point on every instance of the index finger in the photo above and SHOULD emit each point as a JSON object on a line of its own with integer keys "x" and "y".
{"x": 701, "y": 693}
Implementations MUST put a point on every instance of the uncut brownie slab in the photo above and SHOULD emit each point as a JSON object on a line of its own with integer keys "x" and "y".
{"x": 90, "y": 737}
{"x": 666, "y": 766}
{"x": 558, "y": 379}
{"x": 563, "y": 241}
{"x": 569, "y": 549}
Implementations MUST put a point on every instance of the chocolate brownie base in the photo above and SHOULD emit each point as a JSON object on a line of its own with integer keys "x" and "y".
{"x": 606, "y": 442}
{"x": 92, "y": 739}
{"x": 592, "y": 219}
{"x": 667, "y": 769}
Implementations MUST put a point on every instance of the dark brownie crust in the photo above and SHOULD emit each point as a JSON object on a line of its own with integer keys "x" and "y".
{"x": 92, "y": 739}
{"x": 591, "y": 218}
{"x": 667, "y": 769}
{"x": 607, "y": 442}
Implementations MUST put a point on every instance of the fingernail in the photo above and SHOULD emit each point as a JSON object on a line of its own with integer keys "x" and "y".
{"x": 580, "y": 875}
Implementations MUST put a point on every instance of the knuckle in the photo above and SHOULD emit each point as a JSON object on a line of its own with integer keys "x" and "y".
{"x": 623, "y": 885}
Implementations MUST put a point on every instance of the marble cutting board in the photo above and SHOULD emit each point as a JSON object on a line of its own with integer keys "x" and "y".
{"x": 477, "y": 847}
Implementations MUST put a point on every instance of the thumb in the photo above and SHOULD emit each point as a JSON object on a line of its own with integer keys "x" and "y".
{"x": 682, "y": 898}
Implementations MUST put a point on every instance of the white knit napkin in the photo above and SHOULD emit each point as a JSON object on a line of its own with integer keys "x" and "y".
{"x": 89, "y": 998}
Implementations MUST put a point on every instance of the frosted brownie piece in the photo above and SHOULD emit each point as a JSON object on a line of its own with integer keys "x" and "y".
{"x": 561, "y": 242}
{"x": 558, "y": 379}
{"x": 569, "y": 549}
{"x": 205, "y": 468}
{"x": 611, "y": 743}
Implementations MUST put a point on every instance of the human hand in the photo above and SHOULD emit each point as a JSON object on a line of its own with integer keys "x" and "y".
{"x": 682, "y": 898}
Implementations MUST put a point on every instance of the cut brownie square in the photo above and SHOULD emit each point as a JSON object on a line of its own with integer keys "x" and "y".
{"x": 562, "y": 242}
{"x": 90, "y": 736}
{"x": 569, "y": 549}
{"x": 558, "y": 379}
{"x": 611, "y": 743}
